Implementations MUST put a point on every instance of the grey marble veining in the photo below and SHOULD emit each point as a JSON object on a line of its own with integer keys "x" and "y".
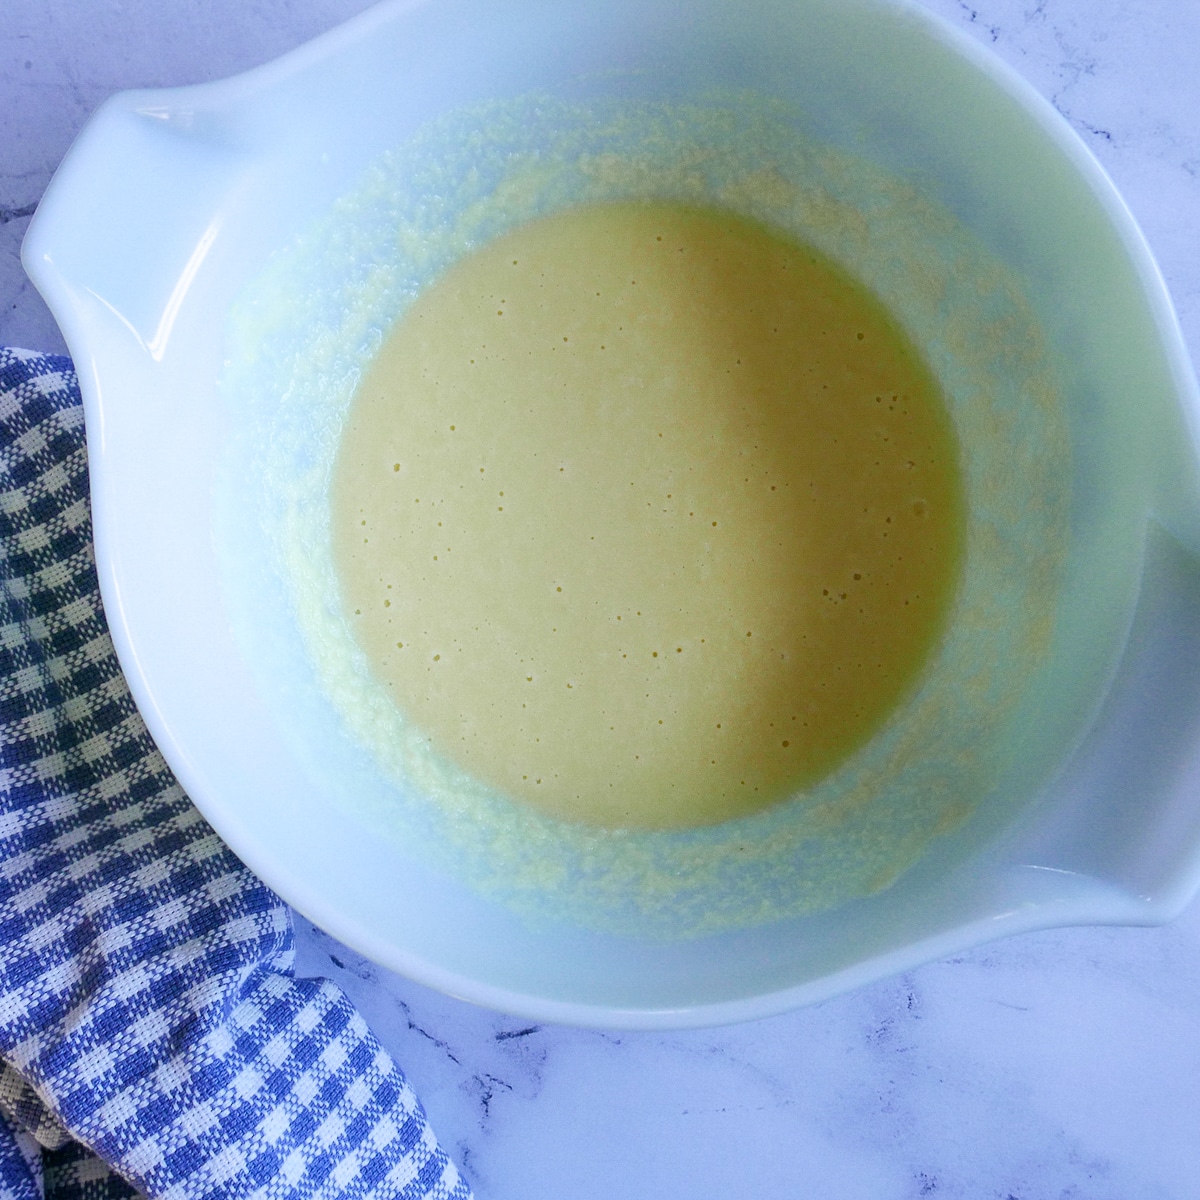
{"x": 1054, "y": 1065}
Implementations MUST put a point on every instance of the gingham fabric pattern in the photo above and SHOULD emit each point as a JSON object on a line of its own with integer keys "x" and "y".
{"x": 149, "y": 1017}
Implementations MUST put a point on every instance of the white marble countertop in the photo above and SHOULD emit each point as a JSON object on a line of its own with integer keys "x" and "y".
{"x": 1053, "y": 1065}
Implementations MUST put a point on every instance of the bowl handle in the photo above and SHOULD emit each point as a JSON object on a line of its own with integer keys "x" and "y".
{"x": 153, "y": 175}
{"x": 1126, "y": 812}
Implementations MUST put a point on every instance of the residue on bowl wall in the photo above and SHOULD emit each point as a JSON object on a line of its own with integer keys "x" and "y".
{"x": 302, "y": 336}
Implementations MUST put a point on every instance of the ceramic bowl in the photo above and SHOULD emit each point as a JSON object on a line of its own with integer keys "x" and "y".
{"x": 171, "y": 203}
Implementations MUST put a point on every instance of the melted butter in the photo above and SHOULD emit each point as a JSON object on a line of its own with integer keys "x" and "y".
{"x": 646, "y": 516}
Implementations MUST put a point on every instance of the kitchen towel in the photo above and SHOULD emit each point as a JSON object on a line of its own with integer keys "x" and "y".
{"x": 153, "y": 1038}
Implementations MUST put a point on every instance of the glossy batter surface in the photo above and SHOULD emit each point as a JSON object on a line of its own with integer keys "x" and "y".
{"x": 647, "y": 516}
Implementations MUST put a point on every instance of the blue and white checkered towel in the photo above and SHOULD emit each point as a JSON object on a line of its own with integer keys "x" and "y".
{"x": 149, "y": 1018}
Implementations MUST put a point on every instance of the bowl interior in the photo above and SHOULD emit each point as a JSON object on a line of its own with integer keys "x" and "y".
{"x": 172, "y": 202}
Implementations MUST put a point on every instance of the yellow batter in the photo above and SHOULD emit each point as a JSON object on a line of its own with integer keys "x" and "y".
{"x": 647, "y": 516}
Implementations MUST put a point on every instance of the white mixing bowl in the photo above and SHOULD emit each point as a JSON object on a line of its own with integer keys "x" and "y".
{"x": 171, "y": 204}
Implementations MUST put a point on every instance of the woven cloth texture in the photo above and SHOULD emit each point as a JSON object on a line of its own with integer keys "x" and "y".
{"x": 153, "y": 1038}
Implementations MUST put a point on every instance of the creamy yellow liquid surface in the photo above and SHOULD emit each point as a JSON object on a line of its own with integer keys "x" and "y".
{"x": 647, "y": 516}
